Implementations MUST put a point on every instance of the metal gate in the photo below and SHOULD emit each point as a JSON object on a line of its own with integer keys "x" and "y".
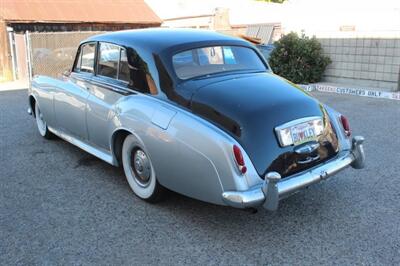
{"x": 51, "y": 53}
{"x": 21, "y": 57}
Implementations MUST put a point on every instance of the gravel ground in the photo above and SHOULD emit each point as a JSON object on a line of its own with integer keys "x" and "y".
{"x": 60, "y": 205}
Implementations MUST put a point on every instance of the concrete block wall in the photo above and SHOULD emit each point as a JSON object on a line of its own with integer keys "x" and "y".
{"x": 363, "y": 62}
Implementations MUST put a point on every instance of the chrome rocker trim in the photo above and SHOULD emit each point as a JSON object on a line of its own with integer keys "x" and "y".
{"x": 274, "y": 189}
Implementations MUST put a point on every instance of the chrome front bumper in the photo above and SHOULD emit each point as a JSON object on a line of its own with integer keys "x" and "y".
{"x": 274, "y": 189}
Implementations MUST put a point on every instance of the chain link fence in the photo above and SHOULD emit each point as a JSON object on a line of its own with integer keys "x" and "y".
{"x": 52, "y": 53}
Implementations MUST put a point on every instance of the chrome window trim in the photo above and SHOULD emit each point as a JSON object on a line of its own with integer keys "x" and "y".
{"x": 113, "y": 86}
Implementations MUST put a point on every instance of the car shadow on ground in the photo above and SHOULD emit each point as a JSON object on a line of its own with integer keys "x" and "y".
{"x": 188, "y": 208}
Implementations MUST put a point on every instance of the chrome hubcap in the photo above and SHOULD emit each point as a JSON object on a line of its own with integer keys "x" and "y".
{"x": 141, "y": 167}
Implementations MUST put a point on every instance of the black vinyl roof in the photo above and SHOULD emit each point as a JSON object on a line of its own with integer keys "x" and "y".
{"x": 159, "y": 39}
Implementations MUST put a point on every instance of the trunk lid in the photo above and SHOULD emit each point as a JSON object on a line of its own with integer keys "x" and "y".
{"x": 249, "y": 107}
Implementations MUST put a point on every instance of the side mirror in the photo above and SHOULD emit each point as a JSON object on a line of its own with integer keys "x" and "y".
{"x": 66, "y": 73}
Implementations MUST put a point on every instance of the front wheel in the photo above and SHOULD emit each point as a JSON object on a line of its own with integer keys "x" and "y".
{"x": 139, "y": 171}
{"x": 41, "y": 124}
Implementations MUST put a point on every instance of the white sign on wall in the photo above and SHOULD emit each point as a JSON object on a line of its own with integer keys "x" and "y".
{"x": 353, "y": 91}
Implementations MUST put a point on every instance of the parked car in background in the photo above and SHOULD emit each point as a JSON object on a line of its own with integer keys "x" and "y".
{"x": 196, "y": 112}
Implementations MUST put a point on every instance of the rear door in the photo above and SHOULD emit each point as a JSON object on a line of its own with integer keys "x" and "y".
{"x": 108, "y": 85}
{"x": 70, "y": 102}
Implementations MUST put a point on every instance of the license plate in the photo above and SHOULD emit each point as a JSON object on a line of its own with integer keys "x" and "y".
{"x": 298, "y": 131}
{"x": 302, "y": 133}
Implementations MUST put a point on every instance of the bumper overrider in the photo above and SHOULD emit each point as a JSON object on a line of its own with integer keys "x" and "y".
{"x": 274, "y": 189}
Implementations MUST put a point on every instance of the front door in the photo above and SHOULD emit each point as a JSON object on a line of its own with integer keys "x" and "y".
{"x": 70, "y": 100}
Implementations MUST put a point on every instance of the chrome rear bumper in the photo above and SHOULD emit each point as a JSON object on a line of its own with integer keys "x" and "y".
{"x": 274, "y": 189}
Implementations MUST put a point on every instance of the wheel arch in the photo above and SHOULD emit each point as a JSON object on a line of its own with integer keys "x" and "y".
{"x": 32, "y": 102}
{"x": 117, "y": 141}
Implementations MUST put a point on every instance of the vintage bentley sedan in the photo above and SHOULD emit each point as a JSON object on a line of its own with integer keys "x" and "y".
{"x": 196, "y": 112}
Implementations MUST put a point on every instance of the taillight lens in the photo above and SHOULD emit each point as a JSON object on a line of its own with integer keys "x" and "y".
{"x": 239, "y": 159}
{"x": 346, "y": 125}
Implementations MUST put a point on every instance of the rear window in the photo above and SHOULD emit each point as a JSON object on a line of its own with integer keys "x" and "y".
{"x": 216, "y": 59}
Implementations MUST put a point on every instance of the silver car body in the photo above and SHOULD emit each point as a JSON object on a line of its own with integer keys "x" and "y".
{"x": 190, "y": 155}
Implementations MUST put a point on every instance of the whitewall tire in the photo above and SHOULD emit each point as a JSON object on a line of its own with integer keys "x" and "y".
{"x": 139, "y": 170}
{"x": 41, "y": 124}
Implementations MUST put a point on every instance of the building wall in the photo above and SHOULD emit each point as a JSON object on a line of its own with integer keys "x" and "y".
{"x": 5, "y": 56}
{"x": 200, "y": 22}
{"x": 369, "y": 62}
{"x": 62, "y": 27}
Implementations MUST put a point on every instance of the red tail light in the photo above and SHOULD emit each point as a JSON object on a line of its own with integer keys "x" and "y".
{"x": 239, "y": 159}
{"x": 346, "y": 125}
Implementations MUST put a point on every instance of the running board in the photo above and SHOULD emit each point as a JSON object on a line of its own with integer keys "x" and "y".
{"x": 103, "y": 155}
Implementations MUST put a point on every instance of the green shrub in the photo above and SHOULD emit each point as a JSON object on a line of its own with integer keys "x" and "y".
{"x": 299, "y": 59}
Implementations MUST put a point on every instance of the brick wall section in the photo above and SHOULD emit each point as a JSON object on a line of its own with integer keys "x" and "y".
{"x": 363, "y": 62}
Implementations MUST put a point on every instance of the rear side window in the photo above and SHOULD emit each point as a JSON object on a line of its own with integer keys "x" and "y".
{"x": 123, "y": 67}
{"x": 108, "y": 60}
{"x": 85, "y": 61}
{"x": 113, "y": 62}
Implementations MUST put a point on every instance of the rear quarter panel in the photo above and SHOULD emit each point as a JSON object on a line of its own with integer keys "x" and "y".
{"x": 190, "y": 156}
{"x": 334, "y": 116}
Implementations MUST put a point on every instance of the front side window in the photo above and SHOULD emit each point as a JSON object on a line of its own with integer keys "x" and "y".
{"x": 214, "y": 60}
{"x": 85, "y": 60}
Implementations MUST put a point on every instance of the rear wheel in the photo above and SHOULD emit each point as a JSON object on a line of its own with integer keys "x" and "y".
{"x": 139, "y": 171}
{"x": 41, "y": 124}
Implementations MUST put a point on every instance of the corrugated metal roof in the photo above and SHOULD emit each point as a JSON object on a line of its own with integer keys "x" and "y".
{"x": 261, "y": 31}
{"x": 105, "y": 11}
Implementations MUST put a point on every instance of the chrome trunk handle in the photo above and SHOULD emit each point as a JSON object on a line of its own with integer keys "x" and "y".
{"x": 309, "y": 159}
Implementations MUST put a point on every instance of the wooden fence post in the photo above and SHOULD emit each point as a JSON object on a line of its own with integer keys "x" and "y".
{"x": 6, "y": 72}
